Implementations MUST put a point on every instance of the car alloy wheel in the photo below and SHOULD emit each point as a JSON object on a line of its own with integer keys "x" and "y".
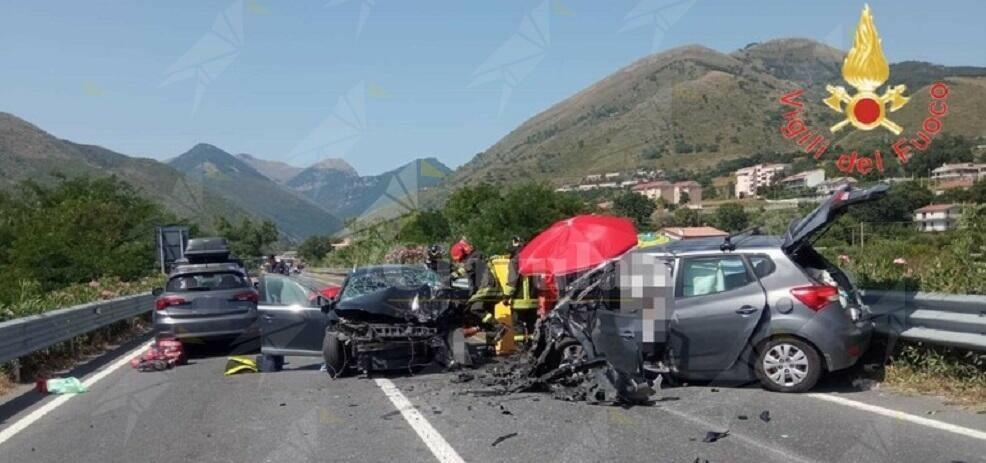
{"x": 786, "y": 365}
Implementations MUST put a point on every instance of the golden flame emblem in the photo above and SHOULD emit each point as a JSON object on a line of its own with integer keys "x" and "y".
{"x": 866, "y": 69}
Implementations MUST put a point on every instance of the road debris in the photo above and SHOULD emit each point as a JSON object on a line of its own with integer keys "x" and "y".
{"x": 765, "y": 416}
{"x": 70, "y": 385}
{"x": 503, "y": 438}
{"x": 713, "y": 436}
{"x": 742, "y": 417}
{"x": 462, "y": 377}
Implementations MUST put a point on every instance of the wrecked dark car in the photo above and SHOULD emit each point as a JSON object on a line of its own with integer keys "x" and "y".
{"x": 386, "y": 317}
{"x": 591, "y": 347}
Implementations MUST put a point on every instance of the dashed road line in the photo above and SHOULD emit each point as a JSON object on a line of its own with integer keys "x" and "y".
{"x": 435, "y": 442}
{"x": 31, "y": 418}
{"x": 940, "y": 425}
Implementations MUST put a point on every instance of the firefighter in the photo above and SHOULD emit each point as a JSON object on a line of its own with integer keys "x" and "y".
{"x": 513, "y": 275}
{"x": 483, "y": 288}
{"x": 434, "y": 260}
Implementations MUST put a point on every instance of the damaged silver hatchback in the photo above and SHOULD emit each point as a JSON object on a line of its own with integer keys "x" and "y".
{"x": 734, "y": 310}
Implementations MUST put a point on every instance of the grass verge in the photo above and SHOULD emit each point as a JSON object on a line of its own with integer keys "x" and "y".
{"x": 957, "y": 375}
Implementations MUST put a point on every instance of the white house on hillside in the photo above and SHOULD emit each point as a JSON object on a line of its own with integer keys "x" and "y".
{"x": 749, "y": 179}
{"x": 937, "y": 217}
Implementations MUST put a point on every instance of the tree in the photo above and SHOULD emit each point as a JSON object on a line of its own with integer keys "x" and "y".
{"x": 897, "y": 206}
{"x": 490, "y": 216}
{"x": 315, "y": 248}
{"x": 426, "y": 227}
{"x": 731, "y": 217}
{"x": 685, "y": 217}
{"x": 75, "y": 231}
{"x": 634, "y": 206}
{"x": 248, "y": 238}
{"x": 685, "y": 198}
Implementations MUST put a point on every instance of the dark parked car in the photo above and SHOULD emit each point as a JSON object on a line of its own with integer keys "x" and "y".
{"x": 386, "y": 317}
{"x": 209, "y": 296}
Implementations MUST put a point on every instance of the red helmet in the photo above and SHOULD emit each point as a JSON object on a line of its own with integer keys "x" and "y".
{"x": 460, "y": 250}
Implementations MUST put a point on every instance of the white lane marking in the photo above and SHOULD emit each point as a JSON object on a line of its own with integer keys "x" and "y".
{"x": 940, "y": 425}
{"x": 749, "y": 441}
{"x": 435, "y": 442}
{"x": 34, "y": 416}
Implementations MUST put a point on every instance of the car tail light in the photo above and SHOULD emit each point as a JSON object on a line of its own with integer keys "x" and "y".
{"x": 250, "y": 296}
{"x": 162, "y": 303}
{"x": 816, "y": 297}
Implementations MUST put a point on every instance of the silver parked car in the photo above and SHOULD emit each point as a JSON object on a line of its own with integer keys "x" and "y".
{"x": 765, "y": 307}
{"x": 207, "y": 300}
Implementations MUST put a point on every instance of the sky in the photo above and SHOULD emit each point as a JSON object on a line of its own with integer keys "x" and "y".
{"x": 381, "y": 82}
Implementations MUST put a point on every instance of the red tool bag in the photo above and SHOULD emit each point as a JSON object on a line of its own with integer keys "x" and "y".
{"x": 165, "y": 354}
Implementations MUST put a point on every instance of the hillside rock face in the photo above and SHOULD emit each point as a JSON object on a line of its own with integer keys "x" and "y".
{"x": 254, "y": 192}
{"x": 692, "y": 107}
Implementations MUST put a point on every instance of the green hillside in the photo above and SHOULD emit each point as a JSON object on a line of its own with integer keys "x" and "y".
{"x": 27, "y": 152}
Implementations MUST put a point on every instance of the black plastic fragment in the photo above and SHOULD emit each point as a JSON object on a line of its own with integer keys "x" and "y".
{"x": 503, "y": 438}
{"x": 713, "y": 436}
{"x": 742, "y": 417}
{"x": 765, "y": 416}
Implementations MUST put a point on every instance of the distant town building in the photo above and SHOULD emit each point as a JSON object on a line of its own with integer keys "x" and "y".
{"x": 612, "y": 175}
{"x": 690, "y": 188}
{"x": 833, "y": 185}
{"x": 346, "y": 242}
{"x": 605, "y": 205}
{"x": 953, "y": 184}
{"x": 961, "y": 170}
{"x": 657, "y": 189}
{"x": 627, "y": 183}
{"x": 804, "y": 180}
{"x": 750, "y": 179}
{"x": 609, "y": 185}
{"x": 564, "y": 188}
{"x": 937, "y": 217}
{"x": 593, "y": 177}
{"x": 690, "y": 233}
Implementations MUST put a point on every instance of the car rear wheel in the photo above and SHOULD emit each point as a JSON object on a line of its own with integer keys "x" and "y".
{"x": 788, "y": 365}
{"x": 334, "y": 354}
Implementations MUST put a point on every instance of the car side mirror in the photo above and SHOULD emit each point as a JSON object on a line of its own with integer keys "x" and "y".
{"x": 157, "y": 291}
{"x": 329, "y": 305}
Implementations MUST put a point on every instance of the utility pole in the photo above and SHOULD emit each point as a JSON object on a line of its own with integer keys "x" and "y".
{"x": 862, "y": 242}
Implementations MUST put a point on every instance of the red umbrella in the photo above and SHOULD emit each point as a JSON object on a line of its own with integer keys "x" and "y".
{"x": 578, "y": 243}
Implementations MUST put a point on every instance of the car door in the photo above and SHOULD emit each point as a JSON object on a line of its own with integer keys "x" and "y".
{"x": 718, "y": 304}
{"x": 291, "y": 320}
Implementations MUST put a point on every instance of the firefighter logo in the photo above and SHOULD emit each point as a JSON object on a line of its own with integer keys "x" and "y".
{"x": 866, "y": 69}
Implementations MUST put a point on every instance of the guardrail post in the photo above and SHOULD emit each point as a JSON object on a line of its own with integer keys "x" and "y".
{"x": 15, "y": 370}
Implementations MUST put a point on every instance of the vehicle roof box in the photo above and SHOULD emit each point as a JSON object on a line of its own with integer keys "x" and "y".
{"x": 207, "y": 250}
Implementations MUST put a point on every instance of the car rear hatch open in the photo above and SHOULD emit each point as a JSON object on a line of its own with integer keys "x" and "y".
{"x": 802, "y": 230}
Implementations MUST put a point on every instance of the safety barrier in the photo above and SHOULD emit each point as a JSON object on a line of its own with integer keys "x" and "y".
{"x": 22, "y": 336}
{"x": 957, "y": 320}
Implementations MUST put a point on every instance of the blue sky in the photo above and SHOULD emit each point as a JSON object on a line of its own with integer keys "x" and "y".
{"x": 298, "y": 80}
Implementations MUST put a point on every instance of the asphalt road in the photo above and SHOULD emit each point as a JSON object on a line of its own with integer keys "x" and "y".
{"x": 194, "y": 413}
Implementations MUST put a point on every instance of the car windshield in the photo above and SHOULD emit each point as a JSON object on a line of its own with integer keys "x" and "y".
{"x": 207, "y": 281}
{"x": 401, "y": 277}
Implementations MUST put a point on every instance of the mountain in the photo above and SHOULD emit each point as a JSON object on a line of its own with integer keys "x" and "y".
{"x": 692, "y": 107}
{"x": 27, "y": 152}
{"x": 336, "y": 187}
{"x": 254, "y": 192}
{"x": 277, "y": 171}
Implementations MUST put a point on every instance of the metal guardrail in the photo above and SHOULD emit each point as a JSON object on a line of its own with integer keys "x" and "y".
{"x": 957, "y": 320}
{"x": 22, "y": 336}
